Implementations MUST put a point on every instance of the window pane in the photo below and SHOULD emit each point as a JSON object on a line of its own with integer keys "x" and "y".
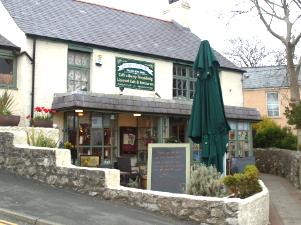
{"x": 191, "y": 94}
{"x": 179, "y": 71}
{"x": 84, "y": 87}
{"x": 174, "y": 93}
{"x": 179, "y": 84}
{"x": 84, "y": 76}
{"x": 190, "y": 72}
{"x": 71, "y": 58}
{"x": 6, "y": 71}
{"x": 77, "y": 86}
{"x": 70, "y": 86}
{"x": 174, "y": 71}
{"x": 174, "y": 83}
{"x": 85, "y": 60}
{"x": 184, "y": 85}
{"x": 78, "y": 60}
{"x": 272, "y": 104}
{"x": 184, "y": 72}
{"x": 71, "y": 75}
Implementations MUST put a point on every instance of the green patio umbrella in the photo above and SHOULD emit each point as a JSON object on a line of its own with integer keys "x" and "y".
{"x": 207, "y": 124}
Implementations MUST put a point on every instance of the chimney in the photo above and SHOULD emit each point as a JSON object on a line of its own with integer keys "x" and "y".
{"x": 178, "y": 11}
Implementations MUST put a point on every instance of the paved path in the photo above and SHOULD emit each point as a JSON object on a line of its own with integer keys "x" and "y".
{"x": 285, "y": 204}
{"x": 68, "y": 207}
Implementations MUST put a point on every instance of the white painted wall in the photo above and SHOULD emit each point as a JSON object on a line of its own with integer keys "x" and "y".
{"x": 51, "y": 71}
{"x": 231, "y": 84}
{"x": 103, "y": 77}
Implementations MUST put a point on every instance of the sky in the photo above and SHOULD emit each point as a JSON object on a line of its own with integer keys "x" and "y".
{"x": 209, "y": 20}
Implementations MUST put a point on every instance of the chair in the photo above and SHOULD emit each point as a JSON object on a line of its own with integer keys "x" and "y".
{"x": 126, "y": 172}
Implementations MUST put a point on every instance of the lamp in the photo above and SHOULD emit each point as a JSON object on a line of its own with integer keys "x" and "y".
{"x": 136, "y": 114}
{"x": 79, "y": 110}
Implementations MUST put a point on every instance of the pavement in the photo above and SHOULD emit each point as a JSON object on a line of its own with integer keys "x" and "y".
{"x": 32, "y": 202}
{"x": 285, "y": 201}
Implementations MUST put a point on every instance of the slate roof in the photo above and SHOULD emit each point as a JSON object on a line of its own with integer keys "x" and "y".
{"x": 266, "y": 77}
{"x": 4, "y": 43}
{"x": 125, "y": 103}
{"x": 105, "y": 27}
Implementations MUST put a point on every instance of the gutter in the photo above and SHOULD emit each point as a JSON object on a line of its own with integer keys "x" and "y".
{"x": 27, "y": 55}
{"x": 33, "y": 60}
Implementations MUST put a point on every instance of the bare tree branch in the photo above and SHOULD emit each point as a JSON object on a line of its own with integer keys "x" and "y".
{"x": 259, "y": 10}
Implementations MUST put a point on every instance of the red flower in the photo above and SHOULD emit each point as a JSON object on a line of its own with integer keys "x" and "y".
{"x": 45, "y": 110}
{"x": 52, "y": 111}
{"x": 38, "y": 109}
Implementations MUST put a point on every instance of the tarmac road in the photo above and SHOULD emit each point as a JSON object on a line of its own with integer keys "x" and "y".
{"x": 62, "y": 206}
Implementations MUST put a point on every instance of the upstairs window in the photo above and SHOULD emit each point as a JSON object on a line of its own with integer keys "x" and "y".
{"x": 184, "y": 80}
{"x": 273, "y": 104}
{"x": 78, "y": 71}
{"x": 8, "y": 66}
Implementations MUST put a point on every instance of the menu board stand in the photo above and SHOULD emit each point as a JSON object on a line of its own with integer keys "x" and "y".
{"x": 168, "y": 167}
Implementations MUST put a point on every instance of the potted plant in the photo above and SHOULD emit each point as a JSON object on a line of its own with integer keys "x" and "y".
{"x": 6, "y": 117}
{"x": 42, "y": 117}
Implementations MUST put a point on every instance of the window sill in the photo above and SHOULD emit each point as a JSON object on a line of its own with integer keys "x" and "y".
{"x": 275, "y": 117}
{"x": 9, "y": 88}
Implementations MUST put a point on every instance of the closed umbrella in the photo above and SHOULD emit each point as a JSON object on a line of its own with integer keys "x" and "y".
{"x": 207, "y": 124}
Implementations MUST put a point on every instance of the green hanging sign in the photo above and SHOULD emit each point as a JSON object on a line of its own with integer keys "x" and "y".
{"x": 135, "y": 74}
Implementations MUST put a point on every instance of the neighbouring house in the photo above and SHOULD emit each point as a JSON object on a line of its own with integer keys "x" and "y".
{"x": 118, "y": 80}
{"x": 267, "y": 89}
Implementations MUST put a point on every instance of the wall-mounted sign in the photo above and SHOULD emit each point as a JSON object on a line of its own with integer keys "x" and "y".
{"x": 135, "y": 74}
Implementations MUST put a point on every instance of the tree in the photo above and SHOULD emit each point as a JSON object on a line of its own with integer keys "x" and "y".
{"x": 247, "y": 53}
{"x": 282, "y": 19}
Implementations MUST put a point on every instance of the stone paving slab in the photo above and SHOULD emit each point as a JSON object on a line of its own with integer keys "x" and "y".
{"x": 285, "y": 208}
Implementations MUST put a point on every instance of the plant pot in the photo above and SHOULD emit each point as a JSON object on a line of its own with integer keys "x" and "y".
{"x": 42, "y": 123}
{"x": 9, "y": 120}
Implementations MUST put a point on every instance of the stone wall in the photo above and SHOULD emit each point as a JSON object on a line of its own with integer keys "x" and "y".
{"x": 280, "y": 162}
{"x": 53, "y": 166}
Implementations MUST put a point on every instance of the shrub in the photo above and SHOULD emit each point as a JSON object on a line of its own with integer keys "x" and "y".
{"x": 6, "y": 103}
{"x": 205, "y": 181}
{"x": 40, "y": 140}
{"x": 243, "y": 185}
{"x": 269, "y": 134}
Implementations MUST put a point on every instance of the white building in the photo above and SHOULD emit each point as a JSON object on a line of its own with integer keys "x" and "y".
{"x": 97, "y": 66}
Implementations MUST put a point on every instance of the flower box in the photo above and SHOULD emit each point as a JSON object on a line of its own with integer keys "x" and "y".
{"x": 9, "y": 120}
{"x": 42, "y": 123}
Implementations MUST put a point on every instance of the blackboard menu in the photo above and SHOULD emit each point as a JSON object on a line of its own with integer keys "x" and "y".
{"x": 168, "y": 169}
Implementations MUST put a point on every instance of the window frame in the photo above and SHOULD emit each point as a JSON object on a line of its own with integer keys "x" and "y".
{"x": 186, "y": 78}
{"x": 236, "y": 140}
{"x": 278, "y": 103}
{"x": 10, "y": 54}
{"x": 81, "y": 50}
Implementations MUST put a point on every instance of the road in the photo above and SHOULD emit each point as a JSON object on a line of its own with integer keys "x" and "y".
{"x": 68, "y": 207}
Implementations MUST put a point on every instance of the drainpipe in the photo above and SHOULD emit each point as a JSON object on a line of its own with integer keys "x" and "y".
{"x": 33, "y": 76}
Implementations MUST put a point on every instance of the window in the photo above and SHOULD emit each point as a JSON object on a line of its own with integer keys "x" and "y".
{"x": 8, "y": 65}
{"x": 184, "y": 80}
{"x": 240, "y": 138}
{"x": 78, "y": 71}
{"x": 272, "y": 104}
